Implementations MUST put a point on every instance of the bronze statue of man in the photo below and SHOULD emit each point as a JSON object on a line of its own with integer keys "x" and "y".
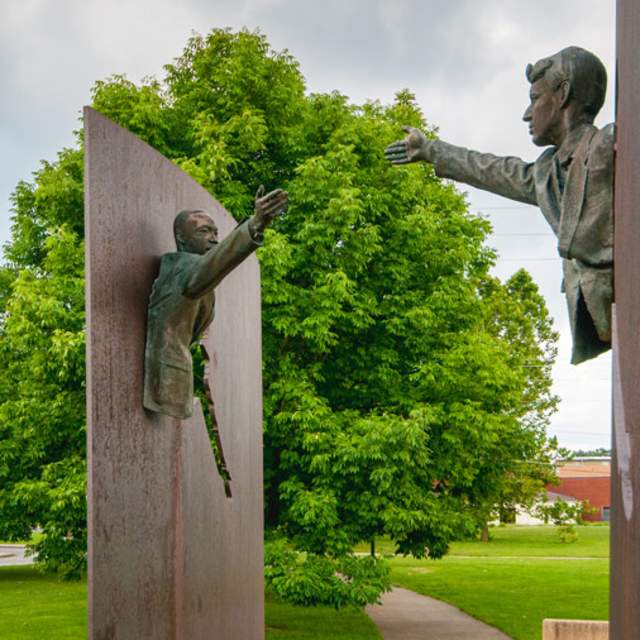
{"x": 181, "y": 305}
{"x": 571, "y": 182}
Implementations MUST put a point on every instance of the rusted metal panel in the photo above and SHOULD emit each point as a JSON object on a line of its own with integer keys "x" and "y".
{"x": 169, "y": 555}
{"x": 625, "y": 515}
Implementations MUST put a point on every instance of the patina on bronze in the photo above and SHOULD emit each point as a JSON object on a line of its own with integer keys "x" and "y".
{"x": 571, "y": 182}
{"x": 182, "y": 301}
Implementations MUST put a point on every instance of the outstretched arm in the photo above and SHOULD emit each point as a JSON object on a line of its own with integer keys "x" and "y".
{"x": 507, "y": 176}
{"x": 214, "y": 265}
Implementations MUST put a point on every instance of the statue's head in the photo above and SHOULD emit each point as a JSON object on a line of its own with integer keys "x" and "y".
{"x": 569, "y": 85}
{"x": 194, "y": 231}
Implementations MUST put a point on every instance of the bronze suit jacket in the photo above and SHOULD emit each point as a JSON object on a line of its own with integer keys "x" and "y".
{"x": 573, "y": 186}
{"x": 181, "y": 307}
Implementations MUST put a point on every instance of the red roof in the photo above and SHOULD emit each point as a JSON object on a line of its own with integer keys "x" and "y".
{"x": 584, "y": 468}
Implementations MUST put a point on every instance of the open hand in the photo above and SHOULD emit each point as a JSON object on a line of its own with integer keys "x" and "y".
{"x": 412, "y": 149}
{"x": 268, "y": 207}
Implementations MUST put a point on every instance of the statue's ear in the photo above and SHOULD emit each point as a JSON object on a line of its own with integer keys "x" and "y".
{"x": 565, "y": 93}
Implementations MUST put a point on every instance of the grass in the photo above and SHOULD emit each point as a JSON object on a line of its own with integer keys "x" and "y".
{"x": 525, "y": 574}
{"x": 35, "y": 606}
{"x": 542, "y": 541}
{"x": 510, "y": 541}
{"x": 286, "y": 622}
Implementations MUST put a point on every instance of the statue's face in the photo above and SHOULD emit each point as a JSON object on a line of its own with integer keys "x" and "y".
{"x": 199, "y": 234}
{"x": 544, "y": 113}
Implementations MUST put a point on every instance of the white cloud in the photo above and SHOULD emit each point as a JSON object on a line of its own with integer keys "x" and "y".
{"x": 464, "y": 60}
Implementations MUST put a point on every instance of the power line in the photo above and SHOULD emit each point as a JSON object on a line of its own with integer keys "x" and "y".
{"x": 581, "y": 435}
{"x": 505, "y": 208}
{"x": 529, "y": 259}
{"x": 523, "y": 235}
{"x": 580, "y": 380}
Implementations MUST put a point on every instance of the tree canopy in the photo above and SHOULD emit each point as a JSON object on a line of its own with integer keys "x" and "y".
{"x": 406, "y": 389}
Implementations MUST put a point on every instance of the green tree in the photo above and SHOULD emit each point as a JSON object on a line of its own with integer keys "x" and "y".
{"x": 564, "y": 515}
{"x": 403, "y": 383}
{"x": 600, "y": 452}
{"x": 42, "y": 401}
{"x": 533, "y": 455}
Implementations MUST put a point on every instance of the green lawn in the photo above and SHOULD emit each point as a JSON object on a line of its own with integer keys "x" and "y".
{"x": 525, "y": 574}
{"x": 35, "y": 606}
{"x": 543, "y": 541}
{"x": 286, "y": 622}
{"x": 521, "y": 577}
{"x": 510, "y": 541}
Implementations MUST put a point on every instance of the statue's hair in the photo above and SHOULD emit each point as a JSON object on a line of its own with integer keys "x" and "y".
{"x": 180, "y": 220}
{"x": 583, "y": 70}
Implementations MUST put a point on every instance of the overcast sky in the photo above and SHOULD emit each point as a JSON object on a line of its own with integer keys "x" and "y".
{"x": 464, "y": 60}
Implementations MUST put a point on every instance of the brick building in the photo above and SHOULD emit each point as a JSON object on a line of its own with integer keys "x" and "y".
{"x": 588, "y": 480}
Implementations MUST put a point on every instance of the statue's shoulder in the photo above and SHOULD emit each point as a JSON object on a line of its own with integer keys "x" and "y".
{"x": 172, "y": 275}
{"x": 606, "y": 135}
{"x": 601, "y": 147}
{"x": 173, "y": 269}
{"x": 176, "y": 261}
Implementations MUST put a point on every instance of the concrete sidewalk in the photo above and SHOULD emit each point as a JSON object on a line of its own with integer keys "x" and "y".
{"x": 405, "y": 615}
{"x": 12, "y": 554}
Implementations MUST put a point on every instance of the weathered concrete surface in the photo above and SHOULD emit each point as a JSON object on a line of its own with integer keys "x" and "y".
{"x": 169, "y": 555}
{"x": 405, "y": 615}
{"x": 625, "y": 485}
{"x": 575, "y": 630}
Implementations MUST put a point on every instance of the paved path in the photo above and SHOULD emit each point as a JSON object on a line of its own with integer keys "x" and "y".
{"x": 13, "y": 554}
{"x": 405, "y": 615}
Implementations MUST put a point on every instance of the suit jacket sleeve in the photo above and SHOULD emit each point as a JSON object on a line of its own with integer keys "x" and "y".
{"x": 210, "y": 268}
{"x": 507, "y": 176}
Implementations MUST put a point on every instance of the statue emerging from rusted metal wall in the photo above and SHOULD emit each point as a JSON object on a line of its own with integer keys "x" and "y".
{"x": 170, "y": 555}
{"x": 571, "y": 182}
{"x": 182, "y": 301}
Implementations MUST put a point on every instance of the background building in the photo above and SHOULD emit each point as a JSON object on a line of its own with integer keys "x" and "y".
{"x": 587, "y": 479}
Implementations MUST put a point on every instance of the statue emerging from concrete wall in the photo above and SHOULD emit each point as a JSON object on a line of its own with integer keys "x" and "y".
{"x": 571, "y": 182}
{"x": 181, "y": 305}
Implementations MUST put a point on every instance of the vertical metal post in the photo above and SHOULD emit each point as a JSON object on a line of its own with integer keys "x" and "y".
{"x": 625, "y": 486}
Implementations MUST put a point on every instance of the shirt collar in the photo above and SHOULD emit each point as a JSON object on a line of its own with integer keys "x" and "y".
{"x": 570, "y": 144}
